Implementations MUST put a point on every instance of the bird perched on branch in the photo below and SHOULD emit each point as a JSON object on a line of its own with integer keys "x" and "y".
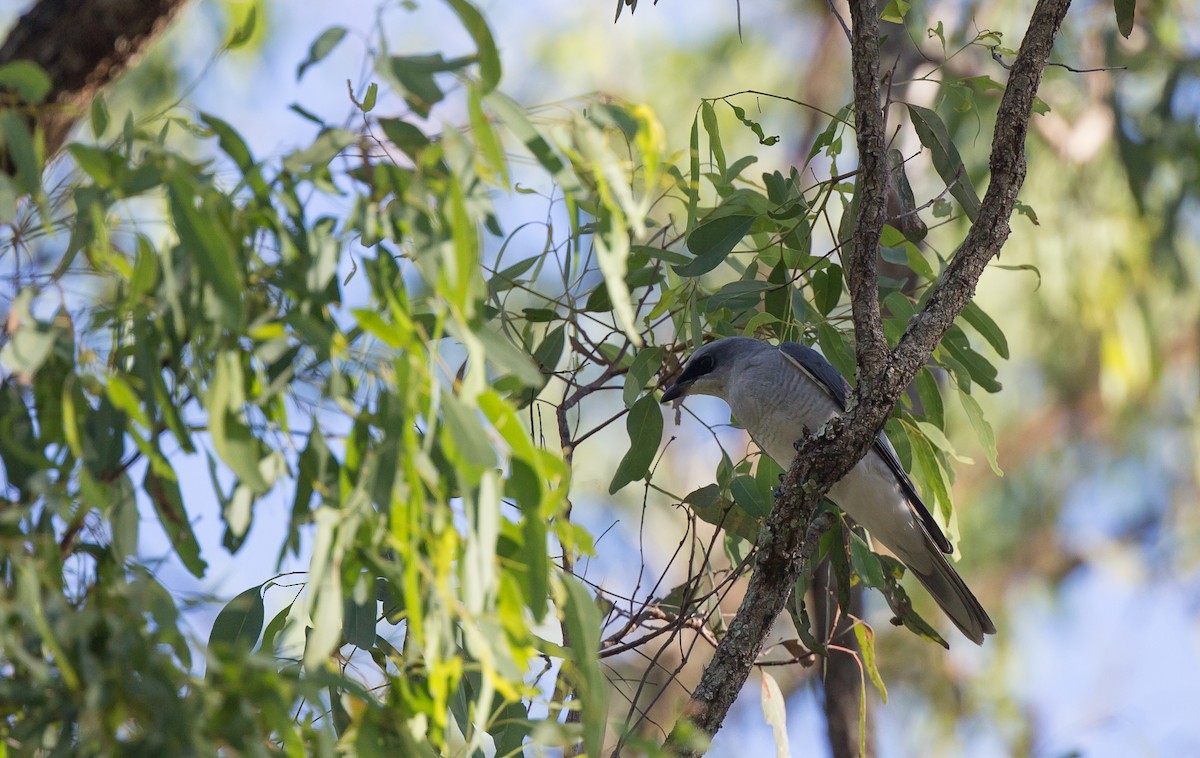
{"x": 778, "y": 393}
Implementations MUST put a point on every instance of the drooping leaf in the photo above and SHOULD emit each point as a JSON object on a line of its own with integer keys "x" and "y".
{"x": 485, "y": 45}
{"x": 987, "y": 328}
{"x": 983, "y": 430}
{"x": 582, "y": 621}
{"x": 240, "y": 622}
{"x": 168, "y": 504}
{"x": 775, "y": 712}
{"x": 866, "y": 645}
{"x": 644, "y": 425}
{"x": 1125, "y": 11}
{"x": 933, "y": 134}
{"x": 712, "y": 241}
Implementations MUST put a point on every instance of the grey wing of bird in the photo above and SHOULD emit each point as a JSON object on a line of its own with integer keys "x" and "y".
{"x": 823, "y": 373}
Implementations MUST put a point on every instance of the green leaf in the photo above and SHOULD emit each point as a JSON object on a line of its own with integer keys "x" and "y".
{"x": 524, "y": 484}
{"x": 405, "y": 136}
{"x": 514, "y": 117}
{"x": 895, "y": 11}
{"x": 322, "y": 46}
{"x": 709, "y": 116}
{"x": 490, "y": 158}
{"x": 18, "y": 443}
{"x": 933, "y": 135}
{"x": 32, "y": 342}
{"x": 29, "y": 80}
{"x": 486, "y": 53}
{"x": 983, "y": 430}
{"x": 245, "y": 31}
{"x": 327, "y": 146}
{"x": 827, "y": 288}
{"x": 707, "y": 503}
{"x": 979, "y": 369}
{"x": 507, "y": 356}
{"x": 230, "y": 141}
{"x": 712, "y": 241}
{"x": 168, "y": 504}
{"x": 203, "y": 235}
{"x": 644, "y": 425}
{"x": 1125, "y": 12}
{"x": 415, "y": 76}
{"x": 466, "y": 433}
{"x": 240, "y": 622}
{"x": 358, "y": 623}
{"x": 549, "y": 350}
{"x": 25, "y": 154}
{"x": 582, "y": 621}
{"x": 987, "y": 328}
{"x": 751, "y": 496}
{"x": 693, "y": 185}
{"x": 123, "y": 517}
{"x": 866, "y": 645}
{"x": 931, "y": 473}
{"x": 865, "y": 562}
{"x": 645, "y": 364}
{"x": 232, "y": 439}
{"x": 271, "y": 634}
{"x": 930, "y": 394}
{"x": 99, "y": 116}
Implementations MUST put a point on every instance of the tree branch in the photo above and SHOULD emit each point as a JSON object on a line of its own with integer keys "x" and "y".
{"x": 788, "y": 539}
{"x": 83, "y": 45}
{"x": 871, "y": 193}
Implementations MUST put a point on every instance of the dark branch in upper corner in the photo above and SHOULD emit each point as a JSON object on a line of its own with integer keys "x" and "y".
{"x": 82, "y": 45}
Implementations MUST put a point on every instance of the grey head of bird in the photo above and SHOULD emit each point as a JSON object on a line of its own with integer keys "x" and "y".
{"x": 712, "y": 367}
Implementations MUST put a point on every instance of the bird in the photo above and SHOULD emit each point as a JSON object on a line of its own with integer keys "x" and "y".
{"x": 778, "y": 393}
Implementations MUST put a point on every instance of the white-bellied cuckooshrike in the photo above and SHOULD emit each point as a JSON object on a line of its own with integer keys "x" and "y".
{"x": 778, "y": 393}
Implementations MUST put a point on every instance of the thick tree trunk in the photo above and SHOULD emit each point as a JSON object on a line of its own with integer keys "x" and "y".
{"x": 83, "y": 45}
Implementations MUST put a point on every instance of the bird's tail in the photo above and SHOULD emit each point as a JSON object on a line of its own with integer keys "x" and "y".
{"x": 952, "y": 594}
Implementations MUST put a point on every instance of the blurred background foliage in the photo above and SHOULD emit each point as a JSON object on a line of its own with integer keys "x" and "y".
{"x": 246, "y": 342}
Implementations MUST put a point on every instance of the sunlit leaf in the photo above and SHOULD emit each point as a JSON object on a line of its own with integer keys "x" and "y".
{"x": 983, "y": 430}
{"x": 582, "y": 621}
{"x": 775, "y": 712}
{"x": 866, "y": 645}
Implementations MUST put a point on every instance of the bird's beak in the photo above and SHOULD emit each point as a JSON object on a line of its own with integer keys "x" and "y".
{"x": 674, "y": 392}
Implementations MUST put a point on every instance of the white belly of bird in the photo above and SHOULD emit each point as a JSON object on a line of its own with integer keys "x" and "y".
{"x": 870, "y": 493}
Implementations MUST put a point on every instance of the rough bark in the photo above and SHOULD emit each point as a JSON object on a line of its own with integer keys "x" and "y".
{"x": 83, "y": 45}
{"x": 787, "y": 540}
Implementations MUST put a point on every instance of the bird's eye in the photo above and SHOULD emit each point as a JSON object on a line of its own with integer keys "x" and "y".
{"x": 703, "y": 364}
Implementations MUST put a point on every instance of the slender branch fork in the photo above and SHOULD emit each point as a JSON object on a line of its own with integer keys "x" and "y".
{"x": 788, "y": 539}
